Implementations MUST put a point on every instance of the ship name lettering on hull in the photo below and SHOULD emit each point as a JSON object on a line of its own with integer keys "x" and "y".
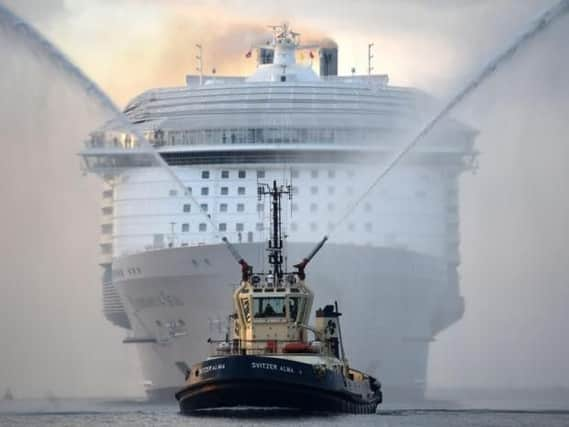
{"x": 272, "y": 367}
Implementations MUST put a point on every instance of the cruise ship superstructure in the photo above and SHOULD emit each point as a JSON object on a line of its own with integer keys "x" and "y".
{"x": 166, "y": 271}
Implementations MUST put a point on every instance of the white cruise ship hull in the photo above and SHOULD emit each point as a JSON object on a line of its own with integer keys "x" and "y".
{"x": 176, "y": 299}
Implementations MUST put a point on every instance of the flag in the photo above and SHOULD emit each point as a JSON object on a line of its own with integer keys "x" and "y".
{"x": 248, "y": 54}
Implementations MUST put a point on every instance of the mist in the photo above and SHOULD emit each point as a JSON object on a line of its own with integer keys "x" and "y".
{"x": 514, "y": 211}
{"x": 54, "y": 337}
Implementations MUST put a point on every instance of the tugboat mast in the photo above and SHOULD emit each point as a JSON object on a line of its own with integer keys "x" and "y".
{"x": 276, "y": 241}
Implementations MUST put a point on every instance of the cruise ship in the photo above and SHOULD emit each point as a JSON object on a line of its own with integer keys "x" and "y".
{"x": 165, "y": 269}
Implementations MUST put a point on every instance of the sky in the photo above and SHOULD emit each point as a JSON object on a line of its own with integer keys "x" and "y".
{"x": 514, "y": 213}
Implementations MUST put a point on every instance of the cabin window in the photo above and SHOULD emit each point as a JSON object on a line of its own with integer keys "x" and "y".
{"x": 187, "y": 208}
{"x": 224, "y": 191}
{"x": 205, "y": 174}
{"x": 241, "y": 174}
{"x": 293, "y": 307}
{"x": 268, "y": 307}
{"x": 205, "y": 191}
{"x": 225, "y": 174}
{"x": 241, "y": 191}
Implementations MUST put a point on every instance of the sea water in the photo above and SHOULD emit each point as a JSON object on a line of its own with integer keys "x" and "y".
{"x": 496, "y": 411}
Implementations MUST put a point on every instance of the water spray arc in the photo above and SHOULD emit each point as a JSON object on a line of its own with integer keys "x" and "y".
{"x": 15, "y": 24}
{"x": 539, "y": 24}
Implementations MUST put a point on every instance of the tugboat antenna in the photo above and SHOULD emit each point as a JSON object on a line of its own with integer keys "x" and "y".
{"x": 276, "y": 241}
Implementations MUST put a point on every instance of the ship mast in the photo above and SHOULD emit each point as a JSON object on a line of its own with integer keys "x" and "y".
{"x": 276, "y": 242}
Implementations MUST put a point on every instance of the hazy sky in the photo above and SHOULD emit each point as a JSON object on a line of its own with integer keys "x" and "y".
{"x": 514, "y": 213}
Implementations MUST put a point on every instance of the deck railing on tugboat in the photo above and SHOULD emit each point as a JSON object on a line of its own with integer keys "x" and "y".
{"x": 264, "y": 347}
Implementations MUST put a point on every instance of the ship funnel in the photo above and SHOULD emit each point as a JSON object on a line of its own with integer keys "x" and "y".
{"x": 328, "y": 58}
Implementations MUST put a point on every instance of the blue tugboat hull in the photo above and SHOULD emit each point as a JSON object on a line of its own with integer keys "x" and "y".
{"x": 255, "y": 381}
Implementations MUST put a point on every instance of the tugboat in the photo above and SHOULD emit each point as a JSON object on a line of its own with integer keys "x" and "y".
{"x": 270, "y": 361}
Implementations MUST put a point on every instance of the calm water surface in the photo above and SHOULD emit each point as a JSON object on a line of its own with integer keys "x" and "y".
{"x": 78, "y": 412}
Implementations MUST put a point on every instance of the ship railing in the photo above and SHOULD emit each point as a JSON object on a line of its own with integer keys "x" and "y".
{"x": 258, "y": 347}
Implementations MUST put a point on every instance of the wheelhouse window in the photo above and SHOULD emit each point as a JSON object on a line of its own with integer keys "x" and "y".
{"x": 268, "y": 307}
{"x": 293, "y": 303}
